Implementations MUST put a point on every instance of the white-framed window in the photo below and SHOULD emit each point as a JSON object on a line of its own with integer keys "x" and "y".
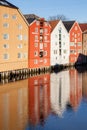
{"x": 35, "y": 61}
{"x": 19, "y": 55}
{"x": 36, "y": 53}
{"x": 5, "y": 25}
{"x": 36, "y": 37}
{"x": 45, "y": 60}
{"x": 5, "y": 56}
{"x": 19, "y": 26}
{"x": 5, "y": 16}
{"x": 45, "y": 38}
{"x": 46, "y": 23}
{"x": 6, "y": 45}
{"x": 14, "y": 16}
{"x": 25, "y": 55}
{"x": 25, "y": 37}
{"x": 41, "y": 45}
{"x": 19, "y": 46}
{"x": 37, "y": 22}
{"x": 36, "y": 44}
{"x": 45, "y": 44}
{"x": 45, "y": 53}
{"x": 19, "y": 37}
{"x": 45, "y": 30}
{"x": 6, "y": 36}
{"x": 76, "y": 28}
{"x": 36, "y": 29}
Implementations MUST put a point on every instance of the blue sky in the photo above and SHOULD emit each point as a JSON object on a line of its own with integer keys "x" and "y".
{"x": 72, "y": 9}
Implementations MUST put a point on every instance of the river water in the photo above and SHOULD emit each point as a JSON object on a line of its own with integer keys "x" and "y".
{"x": 56, "y": 101}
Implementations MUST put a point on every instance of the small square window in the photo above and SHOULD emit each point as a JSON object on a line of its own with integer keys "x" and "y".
{"x": 6, "y": 36}
{"x": 6, "y": 25}
{"x": 19, "y": 45}
{"x": 6, "y": 56}
{"x": 6, "y": 46}
{"x": 6, "y": 16}
{"x": 19, "y": 55}
{"x": 14, "y": 16}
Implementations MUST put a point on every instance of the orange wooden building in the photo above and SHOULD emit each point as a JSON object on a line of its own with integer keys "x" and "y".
{"x": 39, "y": 42}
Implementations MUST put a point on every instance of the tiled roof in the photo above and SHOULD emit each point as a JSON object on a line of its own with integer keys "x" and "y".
{"x": 68, "y": 24}
{"x": 53, "y": 24}
{"x": 83, "y": 26}
{"x": 6, "y": 3}
{"x": 31, "y": 17}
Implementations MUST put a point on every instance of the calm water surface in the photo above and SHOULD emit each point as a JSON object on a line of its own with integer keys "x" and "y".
{"x": 45, "y": 102}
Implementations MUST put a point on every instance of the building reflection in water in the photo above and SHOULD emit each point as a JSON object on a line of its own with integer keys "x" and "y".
{"x": 39, "y": 98}
{"x": 75, "y": 88}
{"x": 60, "y": 91}
{"x": 84, "y": 85}
{"x": 66, "y": 91}
{"x": 14, "y": 105}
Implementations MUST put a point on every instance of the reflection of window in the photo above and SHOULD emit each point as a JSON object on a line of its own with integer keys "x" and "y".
{"x": 35, "y": 61}
{"x": 6, "y": 25}
{"x": 6, "y": 46}
{"x": 5, "y": 36}
{"x": 6, "y": 56}
{"x": 19, "y": 55}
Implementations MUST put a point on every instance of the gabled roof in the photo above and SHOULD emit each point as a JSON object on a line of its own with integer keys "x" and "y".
{"x": 68, "y": 24}
{"x": 7, "y": 4}
{"x": 83, "y": 26}
{"x": 53, "y": 24}
{"x": 31, "y": 17}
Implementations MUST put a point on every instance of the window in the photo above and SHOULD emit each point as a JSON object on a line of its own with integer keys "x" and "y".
{"x": 41, "y": 54}
{"x": 59, "y": 51}
{"x": 36, "y": 44}
{"x": 45, "y": 30}
{"x": 6, "y": 56}
{"x": 59, "y": 36}
{"x": 65, "y": 51}
{"x": 35, "y": 61}
{"x": 14, "y": 16}
{"x": 45, "y": 38}
{"x": 72, "y": 44}
{"x": 6, "y": 46}
{"x": 41, "y": 45}
{"x": 19, "y": 26}
{"x": 45, "y": 53}
{"x": 37, "y": 22}
{"x": 19, "y": 55}
{"x": 46, "y": 23}
{"x": 45, "y": 60}
{"x": 6, "y": 36}
{"x": 19, "y": 37}
{"x": 55, "y": 35}
{"x": 19, "y": 45}
{"x": 36, "y": 37}
{"x": 6, "y": 16}
{"x": 6, "y": 25}
{"x": 76, "y": 28}
{"x": 25, "y": 55}
{"x": 36, "y": 30}
{"x": 45, "y": 44}
{"x": 36, "y": 53}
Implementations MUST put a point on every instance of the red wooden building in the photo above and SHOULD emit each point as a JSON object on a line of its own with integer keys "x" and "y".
{"x": 75, "y": 39}
{"x": 39, "y": 42}
{"x": 39, "y": 98}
